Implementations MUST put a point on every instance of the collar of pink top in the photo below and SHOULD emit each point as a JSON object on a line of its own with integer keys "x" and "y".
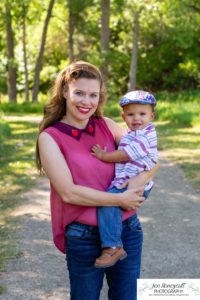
{"x": 76, "y": 132}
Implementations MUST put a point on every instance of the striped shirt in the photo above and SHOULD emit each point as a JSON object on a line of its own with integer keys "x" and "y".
{"x": 141, "y": 148}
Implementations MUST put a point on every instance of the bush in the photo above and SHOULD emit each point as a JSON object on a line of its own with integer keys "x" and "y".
{"x": 184, "y": 114}
{"x": 112, "y": 110}
{"x": 5, "y": 130}
{"x": 21, "y": 108}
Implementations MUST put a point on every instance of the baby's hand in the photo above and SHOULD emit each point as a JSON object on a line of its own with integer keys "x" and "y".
{"x": 98, "y": 151}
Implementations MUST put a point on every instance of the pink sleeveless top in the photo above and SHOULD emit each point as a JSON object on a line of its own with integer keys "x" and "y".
{"x": 86, "y": 170}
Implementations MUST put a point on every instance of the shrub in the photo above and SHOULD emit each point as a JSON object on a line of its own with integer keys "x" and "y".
{"x": 5, "y": 130}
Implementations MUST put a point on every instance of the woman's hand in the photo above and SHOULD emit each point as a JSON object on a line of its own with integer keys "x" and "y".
{"x": 132, "y": 199}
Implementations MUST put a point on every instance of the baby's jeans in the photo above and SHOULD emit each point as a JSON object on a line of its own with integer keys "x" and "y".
{"x": 110, "y": 221}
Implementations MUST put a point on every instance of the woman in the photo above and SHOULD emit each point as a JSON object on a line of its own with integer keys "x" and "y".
{"x": 72, "y": 124}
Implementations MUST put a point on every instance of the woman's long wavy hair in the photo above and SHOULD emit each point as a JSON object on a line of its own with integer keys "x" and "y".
{"x": 56, "y": 108}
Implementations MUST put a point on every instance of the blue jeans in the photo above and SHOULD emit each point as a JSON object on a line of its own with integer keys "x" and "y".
{"x": 84, "y": 246}
{"x": 110, "y": 222}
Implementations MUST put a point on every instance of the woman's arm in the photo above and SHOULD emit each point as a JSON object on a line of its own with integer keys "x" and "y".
{"x": 115, "y": 129}
{"x": 60, "y": 176}
{"x": 141, "y": 179}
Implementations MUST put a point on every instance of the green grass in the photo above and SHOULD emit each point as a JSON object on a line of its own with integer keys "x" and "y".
{"x": 182, "y": 145}
{"x": 21, "y": 108}
{"x": 182, "y": 114}
{"x": 17, "y": 175}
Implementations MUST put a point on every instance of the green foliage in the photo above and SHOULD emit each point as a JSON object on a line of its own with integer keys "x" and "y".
{"x": 112, "y": 110}
{"x": 180, "y": 109}
{"x": 5, "y": 130}
{"x": 168, "y": 54}
{"x": 183, "y": 96}
{"x": 22, "y": 108}
{"x": 178, "y": 113}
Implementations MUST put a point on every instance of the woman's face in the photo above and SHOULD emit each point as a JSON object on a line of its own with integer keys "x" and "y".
{"x": 82, "y": 99}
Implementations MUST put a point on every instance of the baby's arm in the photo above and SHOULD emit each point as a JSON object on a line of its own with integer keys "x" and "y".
{"x": 114, "y": 156}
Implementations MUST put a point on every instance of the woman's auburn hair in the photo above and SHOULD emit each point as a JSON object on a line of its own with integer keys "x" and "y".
{"x": 56, "y": 108}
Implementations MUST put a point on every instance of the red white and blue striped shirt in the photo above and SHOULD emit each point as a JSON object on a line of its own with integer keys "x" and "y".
{"x": 141, "y": 148}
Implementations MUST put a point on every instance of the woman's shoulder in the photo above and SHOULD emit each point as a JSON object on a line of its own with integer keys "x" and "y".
{"x": 115, "y": 129}
{"x": 104, "y": 121}
{"x": 50, "y": 134}
{"x": 109, "y": 122}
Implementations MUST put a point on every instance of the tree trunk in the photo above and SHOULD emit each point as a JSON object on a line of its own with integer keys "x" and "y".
{"x": 105, "y": 35}
{"x": 38, "y": 65}
{"x": 134, "y": 54}
{"x": 26, "y": 86}
{"x": 71, "y": 22}
{"x": 11, "y": 78}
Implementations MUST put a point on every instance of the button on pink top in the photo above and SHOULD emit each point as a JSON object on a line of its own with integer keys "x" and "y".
{"x": 86, "y": 170}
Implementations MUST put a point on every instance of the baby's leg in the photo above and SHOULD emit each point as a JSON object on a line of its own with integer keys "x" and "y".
{"x": 110, "y": 226}
{"x": 110, "y": 229}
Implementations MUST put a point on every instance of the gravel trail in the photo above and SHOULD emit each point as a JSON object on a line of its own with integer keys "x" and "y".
{"x": 170, "y": 219}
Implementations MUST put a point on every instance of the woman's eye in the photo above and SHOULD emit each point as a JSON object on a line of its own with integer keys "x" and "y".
{"x": 93, "y": 95}
{"x": 78, "y": 93}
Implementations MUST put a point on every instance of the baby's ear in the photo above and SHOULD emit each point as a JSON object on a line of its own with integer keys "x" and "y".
{"x": 153, "y": 115}
{"x": 123, "y": 116}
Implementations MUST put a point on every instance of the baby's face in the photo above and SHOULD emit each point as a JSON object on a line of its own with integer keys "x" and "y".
{"x": 137, "y": 116}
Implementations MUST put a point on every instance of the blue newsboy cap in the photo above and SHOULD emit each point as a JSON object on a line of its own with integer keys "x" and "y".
{"x": 140, "y": 97}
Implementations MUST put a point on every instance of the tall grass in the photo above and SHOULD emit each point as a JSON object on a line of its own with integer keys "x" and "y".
{"x": 183, "y": 114}
{"x": 21, "y": 108}
{"x": 5, "y": 130}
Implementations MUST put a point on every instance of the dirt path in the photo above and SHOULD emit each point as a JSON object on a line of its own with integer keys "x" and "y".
{"x": 171, "y": 226}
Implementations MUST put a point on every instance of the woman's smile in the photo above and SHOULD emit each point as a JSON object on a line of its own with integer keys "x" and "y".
{"x": 83, "y": 110}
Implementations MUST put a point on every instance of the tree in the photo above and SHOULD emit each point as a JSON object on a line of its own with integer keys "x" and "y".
{"x": 77, "y": 19}
{"x": 11, "y": 77}
{"x": 71, "y": 25}
{"x": 137, "y": 7}
{"x": 105, "y": 34}
{"x": 194, "y": 4}
{"x": 38, "y": 65}
{"x": 26, "y": 86}
{"x": 134, "y": 52}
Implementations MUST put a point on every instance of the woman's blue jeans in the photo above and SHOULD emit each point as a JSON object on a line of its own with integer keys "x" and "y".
{"x": 84, "y": 246}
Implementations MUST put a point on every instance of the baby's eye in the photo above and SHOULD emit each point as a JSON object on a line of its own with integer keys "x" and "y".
{"x": 143, "y": 114}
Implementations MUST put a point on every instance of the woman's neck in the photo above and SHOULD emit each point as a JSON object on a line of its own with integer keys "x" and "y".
{"x": 80, "y": 124}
